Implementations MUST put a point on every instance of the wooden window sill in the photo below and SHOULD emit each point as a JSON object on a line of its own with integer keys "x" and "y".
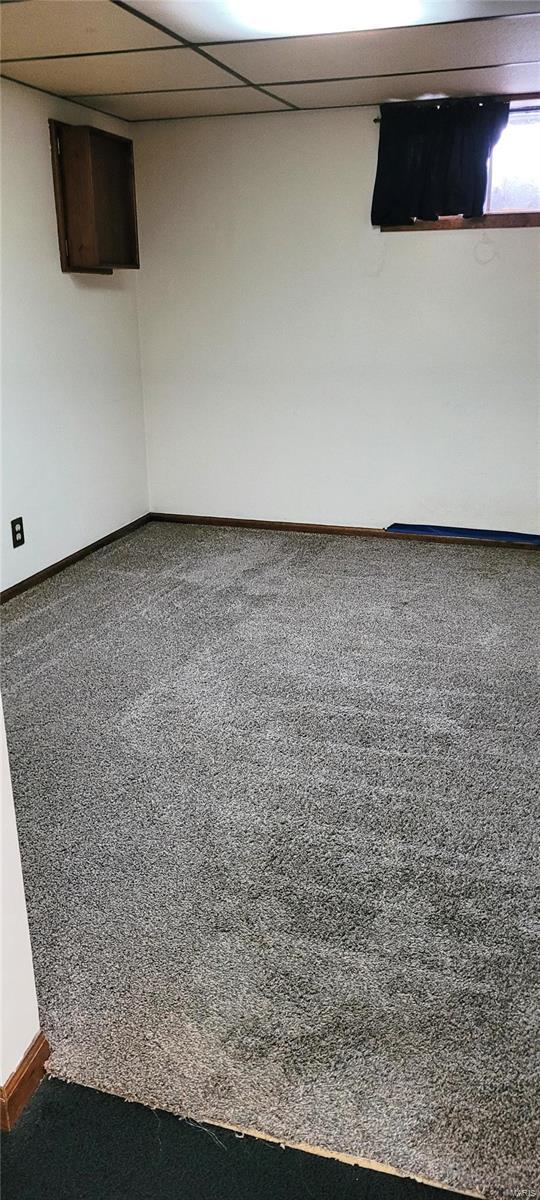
{"x": 509, "y": 220}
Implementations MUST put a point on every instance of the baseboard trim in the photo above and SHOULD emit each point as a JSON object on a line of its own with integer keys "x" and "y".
{"x": 22, "y": 1083}
{"x": 280, "y": 526}
{"x": 341, "y": 530}
{"x": 248, "y": 523}
{"x": 40, "y": 576}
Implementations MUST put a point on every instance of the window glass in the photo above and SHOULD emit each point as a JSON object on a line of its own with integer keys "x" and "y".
{"x": 514, "y": 172}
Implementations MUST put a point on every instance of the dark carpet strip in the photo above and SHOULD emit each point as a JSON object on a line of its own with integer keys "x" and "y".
{"x": 73, "y": 1143}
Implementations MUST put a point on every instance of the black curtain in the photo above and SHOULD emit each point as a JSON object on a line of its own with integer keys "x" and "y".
{"x": 433, "y": 159}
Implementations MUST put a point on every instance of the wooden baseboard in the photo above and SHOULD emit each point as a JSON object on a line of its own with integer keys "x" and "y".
{"x": 343, "y": 530}
{"x": 282, "y": 526}
{"x": 245, "y": 523}
{"x": 21, "y": 1085}
{"x": 46, "y": 573}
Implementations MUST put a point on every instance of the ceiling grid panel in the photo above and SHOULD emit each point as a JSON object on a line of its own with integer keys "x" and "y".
{"x": 34, "y": 29}
{"x": 118, "y": 58}
{"x": 388, "y": 51}
{"x": 214, "y": 22}
{"x": 203, "y": 53}
{"x": 171, "y": 105}
{"x": 174, "y": 67}
{"x": 510, "y": 80}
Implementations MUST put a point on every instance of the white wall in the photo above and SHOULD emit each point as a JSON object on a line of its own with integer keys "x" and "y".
{"x": 72, "y": 418}
{"x": 298, "y": 365}
{"x": 19, "y": 1019}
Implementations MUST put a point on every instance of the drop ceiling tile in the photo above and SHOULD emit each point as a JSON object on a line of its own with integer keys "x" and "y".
{"x": 493, "y": 80}
{"x": 199, "y": 103}
{"x": 32, "y": 28}
{"x": 214, "y": 20}
{"x": 133, "y": 72}
{"x": 387, "y": 51}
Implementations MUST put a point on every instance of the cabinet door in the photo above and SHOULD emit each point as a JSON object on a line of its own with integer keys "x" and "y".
{"x": 94, "y": 191}
{"x": 76, "y": 197}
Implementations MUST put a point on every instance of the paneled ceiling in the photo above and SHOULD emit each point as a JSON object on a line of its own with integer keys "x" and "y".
{"x": 170, "y": 59}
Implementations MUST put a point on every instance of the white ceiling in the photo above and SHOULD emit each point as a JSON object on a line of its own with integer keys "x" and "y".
{"x": 172, "y": 67}
{"x": 387, "y": 51}
{"x": 240, "y": 20}
{"x": 167, "y": 59}
{"x": 31, "y": 28}
{"x": 214, "y": 102}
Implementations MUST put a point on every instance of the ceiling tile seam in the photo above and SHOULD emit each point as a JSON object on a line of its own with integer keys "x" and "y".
{"x": 92, "y": 53}
{"x": 287, "y": 109}
{"x": 193, "y": 46}
{"x": 62, "y": 96}
{"x": 185, "y": 45}
{"x": 292, "y": 37}
{"x": 80, "y": 102}
{"x": 285, "y": 83}
{"x": 280, "y": 112}
{"x": 250, "y": 112}
{"x": 279, "y": 83}
{"x": 517, "y": 96}
{"x": 211, "y": 87}
{"x": 529, "y": 62}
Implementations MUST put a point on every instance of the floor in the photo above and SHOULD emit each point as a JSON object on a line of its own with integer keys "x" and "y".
{"x": 73, "y": 1143}
{"x": 276, "y": 798}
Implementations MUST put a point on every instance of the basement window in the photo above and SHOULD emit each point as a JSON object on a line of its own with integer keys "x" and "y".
{"x": 514, "y": 166}
{"x": 513, "y": 185}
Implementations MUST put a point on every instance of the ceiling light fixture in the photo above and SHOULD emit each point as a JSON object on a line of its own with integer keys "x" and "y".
{"x": 295, "y": 18}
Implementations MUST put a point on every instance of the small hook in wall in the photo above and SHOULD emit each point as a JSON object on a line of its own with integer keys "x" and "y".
{"x": 485, "y": 250}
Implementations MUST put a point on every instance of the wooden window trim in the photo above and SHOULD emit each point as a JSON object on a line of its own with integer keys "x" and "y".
{"x": 503, "y": 220}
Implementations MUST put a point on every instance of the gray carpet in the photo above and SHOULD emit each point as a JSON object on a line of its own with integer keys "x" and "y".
{"x": 276, "y": 800}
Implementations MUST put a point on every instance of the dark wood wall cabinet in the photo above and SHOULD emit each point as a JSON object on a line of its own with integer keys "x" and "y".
{"x": 94, "y": 190}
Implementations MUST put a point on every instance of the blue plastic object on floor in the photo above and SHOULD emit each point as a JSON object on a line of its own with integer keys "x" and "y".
{"x": 487, "y": 535}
